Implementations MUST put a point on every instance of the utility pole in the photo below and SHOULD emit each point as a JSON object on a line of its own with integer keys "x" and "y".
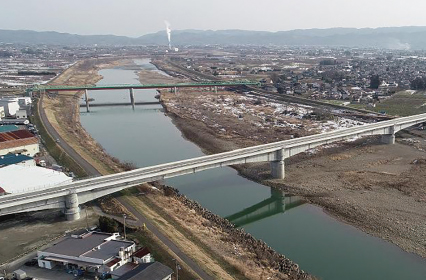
{"x": 177, "y": 266}
{"x": 87, "y": 221}
{"x": 124, "y": 224}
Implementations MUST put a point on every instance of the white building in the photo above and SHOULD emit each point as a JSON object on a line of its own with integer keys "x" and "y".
{"x": 90, "y": 251}
{"x": 2, "y": 114}
{"x": 24, "y": 101}
{"x": 21, "y": 114}
{"x": 10, "y": 105}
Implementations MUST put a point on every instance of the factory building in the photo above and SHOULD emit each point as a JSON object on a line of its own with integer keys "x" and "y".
{"x": 10, "y": 105}
{"x": 18, "y": 178}
{"x": 19, "y": 142}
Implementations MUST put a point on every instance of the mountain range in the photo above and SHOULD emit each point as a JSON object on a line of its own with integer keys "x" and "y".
{"x": 385, "y": 37}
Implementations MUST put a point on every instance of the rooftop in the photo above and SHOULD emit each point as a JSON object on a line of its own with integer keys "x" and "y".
{"x": 19, "y": 178}
{"x": 10, "y": 159}
{"x": 148, "y": 271}
{"x": 8, "y": 128}
{"x": 92, "y": 245}
{"x": 140, "y": 253}
{"x": 78, "y": 246}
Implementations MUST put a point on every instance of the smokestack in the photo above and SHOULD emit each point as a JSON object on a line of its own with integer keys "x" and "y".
{"x": 169, "y": 33}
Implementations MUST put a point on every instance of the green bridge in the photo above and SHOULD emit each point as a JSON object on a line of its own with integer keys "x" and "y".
{"x": 211, "y": 84}
{"x": 144, "y": 86}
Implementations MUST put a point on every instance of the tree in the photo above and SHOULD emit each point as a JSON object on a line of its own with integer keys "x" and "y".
{"x": 418, "y": 83}
{"x": 108, "y": 225}
{"x": 375, "y": 81}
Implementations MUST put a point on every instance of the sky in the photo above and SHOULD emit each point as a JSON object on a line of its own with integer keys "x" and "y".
{"x": 138, "y": 17}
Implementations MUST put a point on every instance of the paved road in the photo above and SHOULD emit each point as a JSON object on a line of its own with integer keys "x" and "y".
{"x": 91, "y": 171}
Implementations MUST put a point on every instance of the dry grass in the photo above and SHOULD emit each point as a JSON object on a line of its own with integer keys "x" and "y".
{"x": 197, "y": 232}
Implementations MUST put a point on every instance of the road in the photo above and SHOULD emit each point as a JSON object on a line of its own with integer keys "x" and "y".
{"x": 91, "y": 171}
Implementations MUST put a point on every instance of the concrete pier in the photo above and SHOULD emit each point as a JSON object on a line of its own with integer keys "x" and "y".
{"x": 86, "y": 96}
{"x": 215, "y": 89}
{"x": 278, "y": 166}
{"x": 132, "y": 98}
{"x": 389, "y": 138}
{"x": 72, "y": 211}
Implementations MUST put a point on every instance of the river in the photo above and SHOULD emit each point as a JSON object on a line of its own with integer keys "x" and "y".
{"x": 320, "y": 244}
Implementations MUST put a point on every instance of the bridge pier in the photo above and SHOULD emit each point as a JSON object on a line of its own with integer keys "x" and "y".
{"x": 389, "y": 138}
{"x": 72, "y": 211}
{"x": 132, "y": 98}
{"x": 86, "y": 96}
{"x": 278, "y": 166}
{"x": 215, "y": 89}
{"x": 175, "y": 89}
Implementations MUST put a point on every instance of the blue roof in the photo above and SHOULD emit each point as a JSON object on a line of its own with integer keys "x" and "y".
{"x": 8, "y": 128}
{"x": 13, "y": 159}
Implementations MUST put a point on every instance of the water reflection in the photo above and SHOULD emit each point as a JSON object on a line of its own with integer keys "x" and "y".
{"x": 279, "y": 202}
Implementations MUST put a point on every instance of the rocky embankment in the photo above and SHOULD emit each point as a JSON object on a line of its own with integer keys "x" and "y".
{"x": 263, "y": 253}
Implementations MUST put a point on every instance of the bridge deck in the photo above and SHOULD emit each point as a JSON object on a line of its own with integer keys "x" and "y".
{"x": 91, "y": 188}
{"x": 144, "y": 86}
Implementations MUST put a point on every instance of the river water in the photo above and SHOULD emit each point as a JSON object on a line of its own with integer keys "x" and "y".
{"x": 320, "y": 244}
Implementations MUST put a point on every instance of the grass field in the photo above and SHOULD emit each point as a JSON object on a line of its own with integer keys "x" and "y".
{"x": 404, "y": 103}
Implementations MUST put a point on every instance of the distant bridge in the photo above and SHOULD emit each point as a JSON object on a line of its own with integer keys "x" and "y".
{"x": 214, "y": 85}
{"x": 69, "y": 196}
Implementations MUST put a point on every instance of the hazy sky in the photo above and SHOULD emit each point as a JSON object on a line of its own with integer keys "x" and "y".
{"x": 137, "y": 17}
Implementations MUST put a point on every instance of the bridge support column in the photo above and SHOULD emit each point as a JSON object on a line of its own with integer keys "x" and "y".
{"x": 215, "y": 89}
{"x": 132, "y": 98}
{"x": 86, "y": 96}
{"x": 175, "y": 90}
{"x": 277, "y": 166}
{"x": 72, "y": 211}
{"x": 389, "y": 138}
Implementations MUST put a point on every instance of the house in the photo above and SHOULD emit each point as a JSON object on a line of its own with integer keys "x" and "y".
{"x": 142, "y": 255}
{"x": 19, "y": 142}
{"x": 95, "y": 252}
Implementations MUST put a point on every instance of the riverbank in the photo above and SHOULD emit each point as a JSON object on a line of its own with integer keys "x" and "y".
{"x": 64, "y": 114}
{"x": 377, "y": 188}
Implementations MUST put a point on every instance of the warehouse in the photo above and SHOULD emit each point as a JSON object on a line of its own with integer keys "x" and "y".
{"x": 20, "y": 178}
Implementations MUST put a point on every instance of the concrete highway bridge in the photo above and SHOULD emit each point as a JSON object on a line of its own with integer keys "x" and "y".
{"x": 69, "y": 196}
{"x": 213, "y": 85}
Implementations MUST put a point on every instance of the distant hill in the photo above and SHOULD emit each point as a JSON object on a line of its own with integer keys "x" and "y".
{"x": 386, "y": 37}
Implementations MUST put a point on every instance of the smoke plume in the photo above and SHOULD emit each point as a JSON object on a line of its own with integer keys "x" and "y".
{"x": 169, "y": 33}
